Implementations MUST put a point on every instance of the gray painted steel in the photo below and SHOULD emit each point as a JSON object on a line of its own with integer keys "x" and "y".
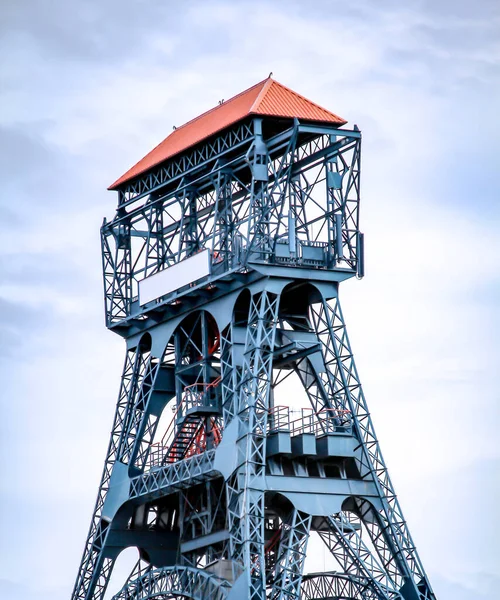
{"x": 223, "y": 502}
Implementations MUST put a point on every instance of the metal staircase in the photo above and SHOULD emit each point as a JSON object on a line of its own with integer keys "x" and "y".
{"x": 194, "y": 423}
{"x": 186, "y": 435}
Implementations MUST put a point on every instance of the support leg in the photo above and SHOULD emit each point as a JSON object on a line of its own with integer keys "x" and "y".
{"x": 291, "y": 556}
{"x": 245, "y": 495}
{"x": 132, "y": 413}
{"x": 340, "y": 535}
{"x": 395, "y": 545}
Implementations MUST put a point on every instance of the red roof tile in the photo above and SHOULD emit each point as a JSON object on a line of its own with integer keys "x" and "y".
{"x": 267, "y": 98}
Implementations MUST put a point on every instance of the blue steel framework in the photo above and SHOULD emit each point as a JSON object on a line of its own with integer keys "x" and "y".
{"x": 217, "y": 504}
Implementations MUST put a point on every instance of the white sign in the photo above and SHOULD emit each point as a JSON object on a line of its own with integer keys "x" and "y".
{"x": 174, "y": 277}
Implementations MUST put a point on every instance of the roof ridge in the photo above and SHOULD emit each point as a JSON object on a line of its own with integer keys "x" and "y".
{"x": 307, "y": 100}
{"x": 262, "y": 93}
{"x": 219, "y": 105}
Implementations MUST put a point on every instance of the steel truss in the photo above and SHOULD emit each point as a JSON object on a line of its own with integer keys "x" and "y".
{"x": 222, "y": 501}
{"x": 241, "y": 215}
{"x": 173, "y": 582}
{"x": 130, "y": 433}
{"x": 245, "y": 495}
{"x": 387, "y": 528}
{"x": 335, "y": 585}
{"x": 344, "y": 542}
{"x": 291, "y": 556}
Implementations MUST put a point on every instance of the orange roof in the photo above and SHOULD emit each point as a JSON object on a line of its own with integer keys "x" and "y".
{"x": 267, "y": 98}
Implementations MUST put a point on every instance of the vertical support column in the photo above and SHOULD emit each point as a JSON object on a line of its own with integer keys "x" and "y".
{"x": 228, "y": 375}
{"x": 245, "y": 493}
{"x": 205, "y": 352}
{"x": 188, "y": 228}
{"x": 343, "y": 195}
{"x": 291, "y": 556}
{"x": 179, "y": 384}
{"x": 351, "y": 206}
{"x": 192, "y": 226}
{"x": 222, "y": 248}
{"x": 278, "y": 222}
{"x": 335, "y": 205}
{"x": 258, "y": 242}
{"x": 299, "y": 199}
{"x": 117, "y": 269}
{"x": 155, "y": 242}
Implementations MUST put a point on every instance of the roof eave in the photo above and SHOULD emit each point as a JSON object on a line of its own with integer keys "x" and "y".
{"x": 121, "y": 181}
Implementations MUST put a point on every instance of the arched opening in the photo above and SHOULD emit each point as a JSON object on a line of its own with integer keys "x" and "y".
{"x": 241, "y": 309}
{"x": 145, "y": 343}
{"x": 190, "y": 422}
{"x": 295, "y": 301}
{"x": 372, "y": 528}
{"x": 289, "y": 402}
{"x": 123, "y": 567}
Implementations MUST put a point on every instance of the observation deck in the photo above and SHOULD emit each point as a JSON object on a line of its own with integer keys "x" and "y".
{"x": 265, "y": 184}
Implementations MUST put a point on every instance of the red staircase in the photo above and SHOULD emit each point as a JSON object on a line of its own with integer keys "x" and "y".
{"x": 187, "y": 433}
{"x": 184, "y": 438}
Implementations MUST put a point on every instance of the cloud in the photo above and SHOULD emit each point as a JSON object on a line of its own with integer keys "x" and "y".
{"x": 450, "y": 589}
{"x": 15, "y": 321}
{"x": 10, "y": 590}
{"x": 89, "y": 89}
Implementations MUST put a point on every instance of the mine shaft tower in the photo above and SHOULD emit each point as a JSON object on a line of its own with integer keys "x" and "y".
{"x": 241, "y": 429}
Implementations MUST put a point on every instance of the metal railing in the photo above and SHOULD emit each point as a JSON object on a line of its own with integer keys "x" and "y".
{"x": 306, "y": 420}
{"x": 199, "y": 394}
{"x": 280, "y": 418}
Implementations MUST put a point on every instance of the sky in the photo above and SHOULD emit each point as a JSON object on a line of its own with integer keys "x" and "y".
{"x": 87, "y": 88}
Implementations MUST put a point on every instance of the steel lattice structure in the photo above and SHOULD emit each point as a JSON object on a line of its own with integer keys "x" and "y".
{"x": 222, "y": 268}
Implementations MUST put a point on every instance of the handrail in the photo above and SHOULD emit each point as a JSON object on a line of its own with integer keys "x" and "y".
{"x": 213, "y": 383}
{"x": 194, "y": 397}
{"x": 326, "y": 420}
{"x": 271, "y": 544}
{"x": 179, "y": 409}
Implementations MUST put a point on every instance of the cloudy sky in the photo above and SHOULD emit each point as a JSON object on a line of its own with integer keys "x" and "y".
{"x": 88, "y": 87}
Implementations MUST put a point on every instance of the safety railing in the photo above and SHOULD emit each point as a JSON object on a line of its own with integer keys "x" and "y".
{"x": 199, "y": 394}
{"x": 306, "y": 420}
{"x": 156, "y": 454}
